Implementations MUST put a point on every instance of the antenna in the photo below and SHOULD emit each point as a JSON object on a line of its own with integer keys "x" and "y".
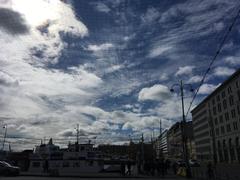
{"x": 160, "y": 127}
{"x": 77, "y": 129}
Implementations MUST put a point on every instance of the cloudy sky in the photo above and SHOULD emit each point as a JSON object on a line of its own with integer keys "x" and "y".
{"x": 107, "y": 65}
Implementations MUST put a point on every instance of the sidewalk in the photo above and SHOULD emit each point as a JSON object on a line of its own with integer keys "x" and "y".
{"x": 107, "y": 175}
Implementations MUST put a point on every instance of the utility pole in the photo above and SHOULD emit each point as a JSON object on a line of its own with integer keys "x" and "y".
{"x": 142, "y": 150}
{"x": 183, "y": 127}
{"x": 160, "y": 127}
{"x": 77, "y": 129}
{"x": 4, "y": 138}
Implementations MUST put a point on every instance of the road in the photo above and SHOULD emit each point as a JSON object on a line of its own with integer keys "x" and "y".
{"x": 75, "y": 178}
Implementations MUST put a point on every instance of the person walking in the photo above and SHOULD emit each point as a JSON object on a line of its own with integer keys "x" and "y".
{"x": 210, "y": 173}
{"x": 174, "y": 168}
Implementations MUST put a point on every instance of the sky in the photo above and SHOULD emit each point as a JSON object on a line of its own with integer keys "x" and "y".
{"x": 107, "y": 65}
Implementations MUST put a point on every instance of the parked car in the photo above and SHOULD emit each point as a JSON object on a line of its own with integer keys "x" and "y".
{"x": 194, "y": 163}
{"x": 181, "y": 163}
{"x": 8, "y": 170}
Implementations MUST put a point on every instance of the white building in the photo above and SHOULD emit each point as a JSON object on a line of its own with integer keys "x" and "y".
{"x": 216, "y": 123}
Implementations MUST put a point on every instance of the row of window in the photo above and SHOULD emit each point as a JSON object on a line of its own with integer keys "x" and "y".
{"x": 66, "y": 164}
{"x": 229, "y": 90}
{"x": 225, "y": 147}
{"x": 227, "y": 116}
{"x": 230, "y": 144}
{"x": 220, "y": 107}
{"x": 222, "y": 130}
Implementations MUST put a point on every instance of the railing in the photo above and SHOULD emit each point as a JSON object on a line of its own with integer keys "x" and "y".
{"x": 221, "y": 172}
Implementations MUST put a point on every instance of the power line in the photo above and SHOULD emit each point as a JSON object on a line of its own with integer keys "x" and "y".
{"x": 214, "y": 58}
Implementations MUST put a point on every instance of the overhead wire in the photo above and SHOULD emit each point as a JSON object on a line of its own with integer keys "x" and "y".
{"x": 219, "y": 49}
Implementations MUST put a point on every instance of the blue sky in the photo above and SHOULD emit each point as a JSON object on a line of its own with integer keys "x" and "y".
{"x": 107, "y": 65}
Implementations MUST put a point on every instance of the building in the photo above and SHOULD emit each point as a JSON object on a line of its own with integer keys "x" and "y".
{"x": 216, "y": 123}
{"x": 114, "y": 151}
{"x": 174, "y": 141}
{"x": 160, "y": 145}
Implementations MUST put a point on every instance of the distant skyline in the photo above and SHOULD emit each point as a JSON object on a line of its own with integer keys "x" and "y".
{"x": 107, "y": 65}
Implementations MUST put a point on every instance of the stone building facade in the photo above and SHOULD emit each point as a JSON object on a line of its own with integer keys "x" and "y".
{"x": 216, "y": 123}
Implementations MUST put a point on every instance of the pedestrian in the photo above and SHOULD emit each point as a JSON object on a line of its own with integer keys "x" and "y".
{"x": 174, "y": 168}
{"x": 162, "y": 167}
{"x": 123, "y": 169}
{"x": 152, "y": 168}
{"x": 210, "y": 173}
{"x": 129, "y": 168}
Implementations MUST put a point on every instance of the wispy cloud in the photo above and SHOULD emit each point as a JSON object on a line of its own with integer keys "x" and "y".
{"x": 223, "y": 71}
{"x": 101, "y": 7}
{"x": 101, "y": 47}
{"x": 185, "y": 70}
{"x": 207, "y": 89}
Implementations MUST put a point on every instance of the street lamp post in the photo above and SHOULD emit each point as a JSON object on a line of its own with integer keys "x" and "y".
{"x": 4, "y": 137}
{"x": 183, "y": 126}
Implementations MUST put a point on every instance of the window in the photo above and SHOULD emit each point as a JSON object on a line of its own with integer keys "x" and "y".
{"x": 228, "y": 128}
{"x": 233, "y": 113}
{"x": 237, "y": 84}
{"x": 214, "y": 111}
{"x": 66, "y": 164}
{"x": 238, "y": 93}
{"x": 230, "y": 142}
{"x": 231, "y": 100}
{"x": 221, "y": 119}
{"x": 229, "y": 90}
{"x": 223, "y": 94}
{"x": 218, "y": 98}
{"x": 213, "y": 101}
{"x": 210, "y": 114}
{"x": 217, "y": 131}
{"x": 224, "y": 104}
{"x": 76, "y": 164}
{"x": 235, "y": 126}
{"x": 216, "y": 121}
{"x": 90, "y": 163}
{"x": 227, "y": 116}
{"x": 224, "y": 143}
{"x": 219, "y": 108}
{"x": 237, "y": 141}
{"x": 36, "y": 164}
{"x": 222, "y": 130}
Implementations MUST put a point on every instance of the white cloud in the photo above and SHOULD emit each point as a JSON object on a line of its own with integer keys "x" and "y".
{"x": 101, "y": 7}
{"x": 164, "y": 77}
{"x": 43, "y": 36}
{"x": 157, "y": 51}
{"x": 223, "y": 71}
{"x": 233, "y": 60}
{"x": 185, "y": 70}
{"x": 150, "y": 16}
{"x": 114, "y": 68}
{"x": 101, "y": 47}
{"x": 157, "y": 92}
{"x": 218, "y": 26}
{"x": 207, "y": 88}
{"x": 195, "y": 79}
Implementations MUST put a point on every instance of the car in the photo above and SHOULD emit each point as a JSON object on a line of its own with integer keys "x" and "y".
{"x": 194, "y": 163}
{"x": 8, "y": 170}
{"x": 181, "y": 163}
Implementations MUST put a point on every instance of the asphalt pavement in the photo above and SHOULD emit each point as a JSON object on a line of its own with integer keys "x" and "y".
{"x": 75, "y": 178}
